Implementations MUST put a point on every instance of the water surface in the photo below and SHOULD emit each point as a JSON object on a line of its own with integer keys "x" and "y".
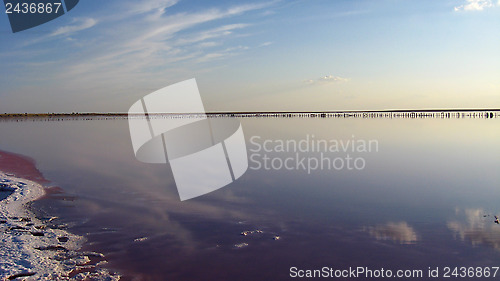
{"x": 425, "y": 197}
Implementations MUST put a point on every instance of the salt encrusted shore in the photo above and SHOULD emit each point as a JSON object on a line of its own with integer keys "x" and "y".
{"x": 38, "y": 248}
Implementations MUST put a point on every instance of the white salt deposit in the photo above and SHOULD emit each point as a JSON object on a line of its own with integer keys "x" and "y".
{"x": 31, "y": 247}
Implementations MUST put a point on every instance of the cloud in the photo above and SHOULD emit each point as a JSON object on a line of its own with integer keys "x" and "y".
{"x": 265, "y": 44}
{"x": 208, "y": 44}
{"x": 221, "y": 54}
{"x": 175, "y": 23}
{"x": 210, "y": 56}
{"x": 77, "y": 25}
{"x": 475, "y": 5}
{"x": 327, "y": 79}
{"x": 400, "y": 232}
{"x": 156, "y": 45}
{"x": 156, "y": 38}
{"x": 249, "y": 7}
{"x": 141, "y": 7}
{"x": 211, "y": 33}
{"x": 477, "y": 228}
{"x": 331, "y": 78}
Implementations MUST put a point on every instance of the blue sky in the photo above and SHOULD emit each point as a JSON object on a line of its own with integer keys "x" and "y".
{"x": 254, "y": 56}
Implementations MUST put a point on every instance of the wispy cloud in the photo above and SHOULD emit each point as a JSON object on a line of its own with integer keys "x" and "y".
{"x": 165, "y": 26}
{"x": 158, "y": 36}
{"x": 265, "y": 44}
{"x": 210, "y": 56}
{"x": 224, "y": 30}
{"x": 208, "y": 44}
{"x": 76, "y": 25}
{"x": 141, "y": 7}
{"x": 158, "y": 47}
{"x": 157, "y": 44}
{"x": 228, "y": 52}
{"x": 327, "y": 79}
{"x": 475, "y": 5}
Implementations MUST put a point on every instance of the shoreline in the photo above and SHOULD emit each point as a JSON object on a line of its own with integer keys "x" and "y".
{"x": 36, "y": 248}
{"x": 392, "y": 113}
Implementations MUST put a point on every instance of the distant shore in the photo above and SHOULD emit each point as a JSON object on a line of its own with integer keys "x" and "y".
{"x": 473, "y": 112}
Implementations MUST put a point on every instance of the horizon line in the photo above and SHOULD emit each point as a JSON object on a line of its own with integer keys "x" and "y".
{"x": 257, "y": 112}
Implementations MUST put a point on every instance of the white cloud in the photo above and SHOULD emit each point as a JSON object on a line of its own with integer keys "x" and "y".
{"x": 143, "y": 47}
{"x": 155, "y": 39}
{"x": 333, "y": 78}
{"x": 237, "y": 48}
{"x": 141, "y": 7}
{"x": 248, "y": 7}
{"x": 232, "y": 51}
{"x": 208, "y": 44}
{"x": 265, "y": 44}
{"x": 77, "y": 25}
{"x": 164, "y": 26}
{"x": 327, "y": 79}
{"x": 211, "y": 33}
{"x": 475, "y": 5}
{"x": 210, "y": 56}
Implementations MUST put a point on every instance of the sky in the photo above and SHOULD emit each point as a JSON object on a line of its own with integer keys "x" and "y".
{"x": 295, "y": 55}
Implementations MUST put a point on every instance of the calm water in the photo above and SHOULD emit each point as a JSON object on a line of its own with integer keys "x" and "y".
{"x": 425, "y": 196}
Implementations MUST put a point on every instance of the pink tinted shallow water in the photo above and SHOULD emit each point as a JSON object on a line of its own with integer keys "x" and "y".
{"x": 21, "y": 166}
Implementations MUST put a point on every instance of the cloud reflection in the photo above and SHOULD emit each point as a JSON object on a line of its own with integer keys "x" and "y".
{"x": 397, "y": 231}
{"x": 477, "y": 227}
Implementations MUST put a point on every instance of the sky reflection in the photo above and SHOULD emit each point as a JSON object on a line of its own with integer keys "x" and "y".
{"x": 400, "y": 208}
